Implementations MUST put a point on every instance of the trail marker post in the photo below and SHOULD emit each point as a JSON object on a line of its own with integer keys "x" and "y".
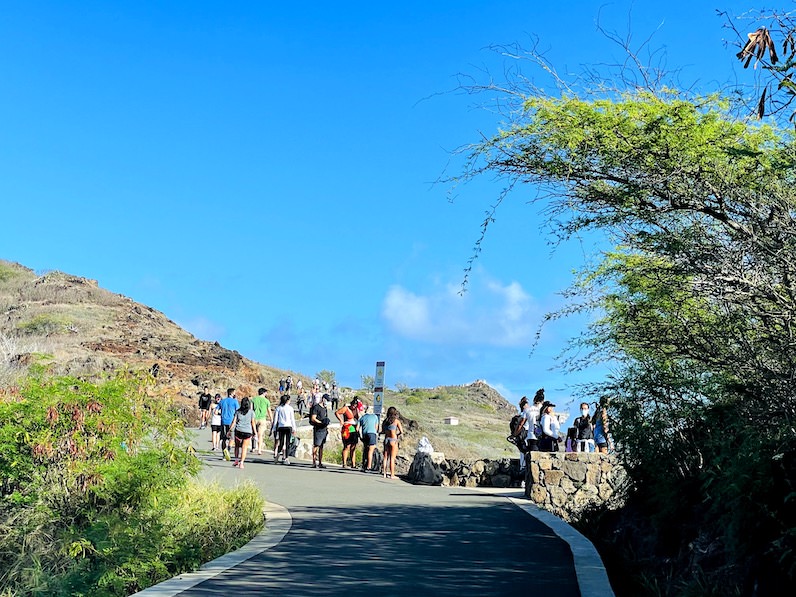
{"x": 378, "y": 388}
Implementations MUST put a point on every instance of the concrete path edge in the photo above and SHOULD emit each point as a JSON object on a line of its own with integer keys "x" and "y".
{"x": 277, "y": 524}
{"x": 589, "y": 569}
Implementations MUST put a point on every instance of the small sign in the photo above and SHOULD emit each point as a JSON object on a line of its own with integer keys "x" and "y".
{"x": 378, "y": 388}
{"x": 378, "y": 402}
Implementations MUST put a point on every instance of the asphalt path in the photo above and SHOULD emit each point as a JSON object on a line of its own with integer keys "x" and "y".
{"x": 355, "y": 533}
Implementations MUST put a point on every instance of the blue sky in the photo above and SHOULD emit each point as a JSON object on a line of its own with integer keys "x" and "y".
{"x": 263, "y": 172}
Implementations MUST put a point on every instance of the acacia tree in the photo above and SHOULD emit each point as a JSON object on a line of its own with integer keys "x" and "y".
{"x": 696, "y": 302}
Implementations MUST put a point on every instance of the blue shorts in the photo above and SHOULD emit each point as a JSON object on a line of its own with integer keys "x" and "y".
{"x": 370, "y": 439}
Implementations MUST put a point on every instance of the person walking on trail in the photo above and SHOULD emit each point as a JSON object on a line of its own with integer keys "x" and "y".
{"x": 392, "y": 429}
{"x": 204, "y": 407}
{"x": 243, "y": 428}
{"x": 369, "y": 432}
{"x": 215, "y": 423}
{"x": 300, "y": 402}
{"x": 262, "y": 417}
{"x": 229, "y": 407}
{"x": 335, "y": 396}
{"x": 348, "y": 415}
{"x": 319, "y": 419}
{"x": 282, "y": 428}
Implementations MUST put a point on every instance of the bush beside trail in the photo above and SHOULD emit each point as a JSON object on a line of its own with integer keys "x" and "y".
{"x": 98, "y": 495}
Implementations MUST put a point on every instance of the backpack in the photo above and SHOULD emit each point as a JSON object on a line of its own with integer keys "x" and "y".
{"x": 376, "y": 463}
{"x": 514, "y": 423}
{"x": 291, "y": 449}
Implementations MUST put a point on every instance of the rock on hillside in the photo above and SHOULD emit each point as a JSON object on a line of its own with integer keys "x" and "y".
{"x": 88, "y": 331}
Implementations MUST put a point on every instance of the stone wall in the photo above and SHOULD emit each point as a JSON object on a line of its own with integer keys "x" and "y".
{"x": 435, "y": 469}
{"x": 568, "y": 483}
{"x": 562, "y": 483}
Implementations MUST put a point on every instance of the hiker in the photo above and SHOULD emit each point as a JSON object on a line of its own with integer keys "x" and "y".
{"x": 600, "y": 421}
{"x": 392, "y": 429}
{"x": 551, "y": 428}
{"x": 204, "y": 407}
{"x": 262, "y": 415}
{"x": 368, "y": 431}
{"x": 535, "y": 431}
{"x": 243, "y": 428}
{"x": 283, "y": 427}
{"x": 319, "y": 419}
{"x": 522, "y": 430}
{"x": 348, "y": 415}
{"x": 288, "y": 384}
{"x": 301, "y": 403}
{"x": 215, "y": 423}
{"x": 335, "y": 396}
{"x": 584, "y": 440}
{"x": 281, "y": 386}
{"x": 229, "y": 407}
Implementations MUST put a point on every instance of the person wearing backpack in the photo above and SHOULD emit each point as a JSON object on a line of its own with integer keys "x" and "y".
{"x": 319, "y": 419}
{"x": 521, "y": 428}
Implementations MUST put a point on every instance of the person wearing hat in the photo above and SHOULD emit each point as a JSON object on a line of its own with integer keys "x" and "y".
{"x": 550, "y": 428}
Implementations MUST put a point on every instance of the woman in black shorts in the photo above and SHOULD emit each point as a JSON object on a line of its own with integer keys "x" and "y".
{"x": 243, "y": 426}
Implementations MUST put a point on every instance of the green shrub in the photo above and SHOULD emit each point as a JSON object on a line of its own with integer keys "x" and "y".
{"x": 45, "y": 324}
{"x": 96, "y": 491}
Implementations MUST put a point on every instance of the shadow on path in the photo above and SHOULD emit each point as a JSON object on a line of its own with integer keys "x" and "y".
{"x": 484, "y": 548}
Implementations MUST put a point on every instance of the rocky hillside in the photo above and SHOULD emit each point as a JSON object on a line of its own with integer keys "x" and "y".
{"x": 77, "y": 328}
{"x": 85, "y": 330}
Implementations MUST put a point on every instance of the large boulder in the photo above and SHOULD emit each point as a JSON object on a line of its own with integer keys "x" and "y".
{"x": 424, "y": 471}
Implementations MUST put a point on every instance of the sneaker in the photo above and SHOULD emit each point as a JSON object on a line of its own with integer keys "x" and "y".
{"x": 236, "y": 463}
{"x": 240, "y": 465}
{"x": 321, "y": 465}
{"x": 286, "y": 461}
{"x": 226, "y": 454}
{"x": 276, "y": 459}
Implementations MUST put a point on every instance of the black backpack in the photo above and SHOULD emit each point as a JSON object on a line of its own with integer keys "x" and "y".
{"x": 514, "y": 423}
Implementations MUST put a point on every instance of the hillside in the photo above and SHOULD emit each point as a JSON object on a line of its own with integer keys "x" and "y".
{"x": 86, "y": 331}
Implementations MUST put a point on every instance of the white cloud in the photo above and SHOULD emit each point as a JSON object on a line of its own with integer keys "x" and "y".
{"x": 203, "y": 328}
{"x": 491, "y": 313}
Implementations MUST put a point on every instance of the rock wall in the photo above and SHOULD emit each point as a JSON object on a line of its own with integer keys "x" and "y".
{"x": 563, "y": 483}
{"x": 435, "y": 469}
{"x": 567, "y": 483}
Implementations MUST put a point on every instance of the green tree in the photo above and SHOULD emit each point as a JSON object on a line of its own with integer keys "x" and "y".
{"x": 368, "y": 382}
{"x": 328, "y": 376}
{"x": 695, "y": 305}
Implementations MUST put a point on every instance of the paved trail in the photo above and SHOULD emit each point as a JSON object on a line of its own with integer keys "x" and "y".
{"x": 354, "y": 533}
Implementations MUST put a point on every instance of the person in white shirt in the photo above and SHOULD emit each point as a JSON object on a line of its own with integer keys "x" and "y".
{"x": 282, "y": 428}
{"x": 550, "y": 428}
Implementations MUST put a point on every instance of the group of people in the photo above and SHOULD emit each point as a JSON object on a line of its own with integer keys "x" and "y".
{"x": 537, "y": 428}
{"x": 247, "y": 422}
